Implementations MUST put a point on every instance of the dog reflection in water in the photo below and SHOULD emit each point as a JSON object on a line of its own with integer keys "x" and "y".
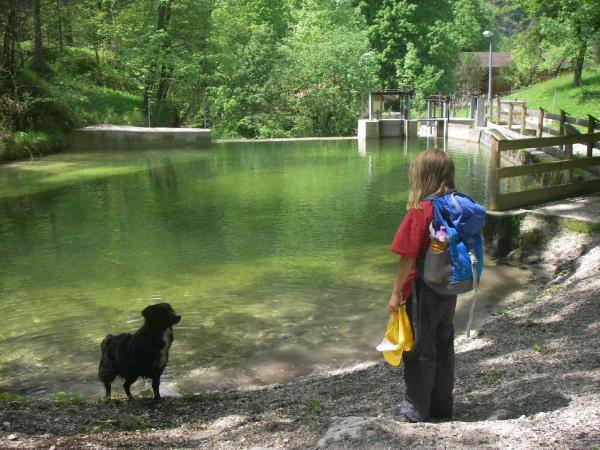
{"x": 142, "y": 354}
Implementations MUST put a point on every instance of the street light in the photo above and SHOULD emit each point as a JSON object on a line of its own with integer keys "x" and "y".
{"x": 488, "y": 35}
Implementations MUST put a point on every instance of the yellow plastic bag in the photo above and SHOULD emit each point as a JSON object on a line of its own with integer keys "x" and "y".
{"x": 398, "y": 337}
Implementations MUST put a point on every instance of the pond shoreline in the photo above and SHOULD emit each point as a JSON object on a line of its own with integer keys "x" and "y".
{"x": 528, "y": 379}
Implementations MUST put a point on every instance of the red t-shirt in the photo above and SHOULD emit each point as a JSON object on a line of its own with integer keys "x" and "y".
{"x": 412, "y": 238}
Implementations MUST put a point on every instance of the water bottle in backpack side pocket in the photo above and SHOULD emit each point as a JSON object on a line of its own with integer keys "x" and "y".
{"x": 437, "y": 262}
{"x": 439, "y": 240}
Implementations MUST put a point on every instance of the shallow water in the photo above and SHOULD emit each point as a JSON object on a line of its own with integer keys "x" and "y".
{"x": 275, "y": 254}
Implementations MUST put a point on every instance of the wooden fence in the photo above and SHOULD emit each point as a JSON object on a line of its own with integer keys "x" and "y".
{"x": 504, "y": 201}
{"x": 541, "y": 119}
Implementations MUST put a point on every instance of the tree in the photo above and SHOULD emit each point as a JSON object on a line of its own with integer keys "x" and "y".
{"x": 329, "y": 65}
{"x": 579, "y": 23}
{"x": 9, "y": 23}
{"x": 467, "y": 74}
{"x": 414, "y": 45}
{"x": 246, "y": 93}
{"x": 470, "y": 19}
{"x": 39, "y": 63}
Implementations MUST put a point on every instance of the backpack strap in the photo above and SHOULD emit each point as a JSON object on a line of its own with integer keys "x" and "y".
{"x": 438, "y": 217}
{"x": 437, "y": 212}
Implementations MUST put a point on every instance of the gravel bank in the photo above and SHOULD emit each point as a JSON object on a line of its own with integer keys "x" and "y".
{"x": 529, "y": 379}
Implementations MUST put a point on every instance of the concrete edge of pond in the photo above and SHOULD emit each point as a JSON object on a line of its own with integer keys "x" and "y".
{"x": 120, "y": 137}
{"x": 298, "y": 139}
{"x": 520, "y": 235}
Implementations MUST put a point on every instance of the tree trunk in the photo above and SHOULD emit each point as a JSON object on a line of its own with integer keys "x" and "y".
{"x": 579, "y": 58}
{"x": 38, "y": 49}
{"x": 9, "y": 52}
{"x": 164, "y": 16}
{"x": 67, "y": 27}
{"x": 60, "y": 25}
{"x": 166, "y": 69}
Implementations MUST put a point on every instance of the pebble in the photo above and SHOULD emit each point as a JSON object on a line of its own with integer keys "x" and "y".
{"x": 12, "y": 437}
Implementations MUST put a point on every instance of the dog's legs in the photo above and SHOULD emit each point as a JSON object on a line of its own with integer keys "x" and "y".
{"x": 155, "y": 386}
{"x": 107, "y": 387}
{"x": 127, "y": 386}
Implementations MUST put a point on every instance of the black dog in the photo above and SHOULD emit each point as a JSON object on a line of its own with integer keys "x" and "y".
{"x": 141, "y": 354}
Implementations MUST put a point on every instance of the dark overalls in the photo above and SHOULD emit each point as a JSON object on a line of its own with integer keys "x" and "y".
{"x": 429, "y": 366}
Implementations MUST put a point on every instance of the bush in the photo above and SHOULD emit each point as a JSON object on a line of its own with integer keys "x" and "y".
{"x": 22, "y": 145}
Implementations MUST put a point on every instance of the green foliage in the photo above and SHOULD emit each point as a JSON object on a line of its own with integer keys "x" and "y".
{"x": 553, "y": 33}
{"x": 467, "y": 75}
{"x": 10, "y": 397}
{"x": 64, "y": 397}
{"x": 30, "y": 144}
{"x": 249, "y": 68}
{"x": 470, "y": 19}
{"x": 503, "y": 312}
{"x": 537, "y": 347}
{"x": 329, "y": 66}
{"x": 199, "y": 397}
{"x": 414, "y": 46}
{"x": 493, "y": 376}
{"x": 298, "y": 79}
{"x": 314, "y": 405}
{"x": 134, "y": 423}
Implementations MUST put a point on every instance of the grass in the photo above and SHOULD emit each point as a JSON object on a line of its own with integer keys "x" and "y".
{"x": 133, "y": 423}
{"x": 64, "y": 397}
{"x": 315, "y": 405}
{"x": 75, "y": 92}
{"x": 31, "y": 144}
{"x": 197, "y": 397}
{"x": 10, "y": 397}
{"x": 576, "y": 101}
{"x": 94, "y": 94}
{"x": 493, "y": 376}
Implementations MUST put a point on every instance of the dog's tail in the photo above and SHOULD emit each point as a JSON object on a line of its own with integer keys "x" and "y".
{"x": 105, "y": 346}
{"x": 106, "y": 367}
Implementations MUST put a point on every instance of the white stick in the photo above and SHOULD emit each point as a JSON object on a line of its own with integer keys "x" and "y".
{"x": 475, "y": 286}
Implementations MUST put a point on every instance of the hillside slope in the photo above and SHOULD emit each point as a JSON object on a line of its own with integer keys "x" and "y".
{"x": 75, "y": 91}
{"x": 559, "y": 93}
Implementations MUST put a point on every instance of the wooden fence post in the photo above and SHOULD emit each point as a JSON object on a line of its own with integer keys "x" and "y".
{"x": 494, "y": 180}
{"x": 498, "y": 111}
{"x": 590, "y": 129}
{"x": 561, "y": 129}
{"x": 510, "y": 115}
{"x": 540, "y": 122}
{"x": 563, "y": 119}
{"x": 523, "y": 118}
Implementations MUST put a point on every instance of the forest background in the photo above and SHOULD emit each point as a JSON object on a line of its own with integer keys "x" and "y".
{"x": 261, "y": 68}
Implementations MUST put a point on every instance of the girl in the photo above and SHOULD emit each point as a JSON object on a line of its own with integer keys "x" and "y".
{"x": 429, "y": 366}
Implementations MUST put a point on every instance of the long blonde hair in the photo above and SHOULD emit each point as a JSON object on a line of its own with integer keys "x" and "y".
{"x": 431, "y": 173}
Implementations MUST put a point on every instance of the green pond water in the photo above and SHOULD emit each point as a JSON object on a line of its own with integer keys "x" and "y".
{"x": 275, "y": 254}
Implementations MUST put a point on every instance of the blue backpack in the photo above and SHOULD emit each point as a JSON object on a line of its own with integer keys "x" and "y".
{"x": 457, "y": 269}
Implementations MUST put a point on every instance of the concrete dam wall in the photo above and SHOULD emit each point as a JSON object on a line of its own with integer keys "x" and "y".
{"x": 116, "y": 137}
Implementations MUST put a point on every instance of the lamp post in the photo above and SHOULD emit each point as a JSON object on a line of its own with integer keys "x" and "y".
{"x": 488, "y": 35}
